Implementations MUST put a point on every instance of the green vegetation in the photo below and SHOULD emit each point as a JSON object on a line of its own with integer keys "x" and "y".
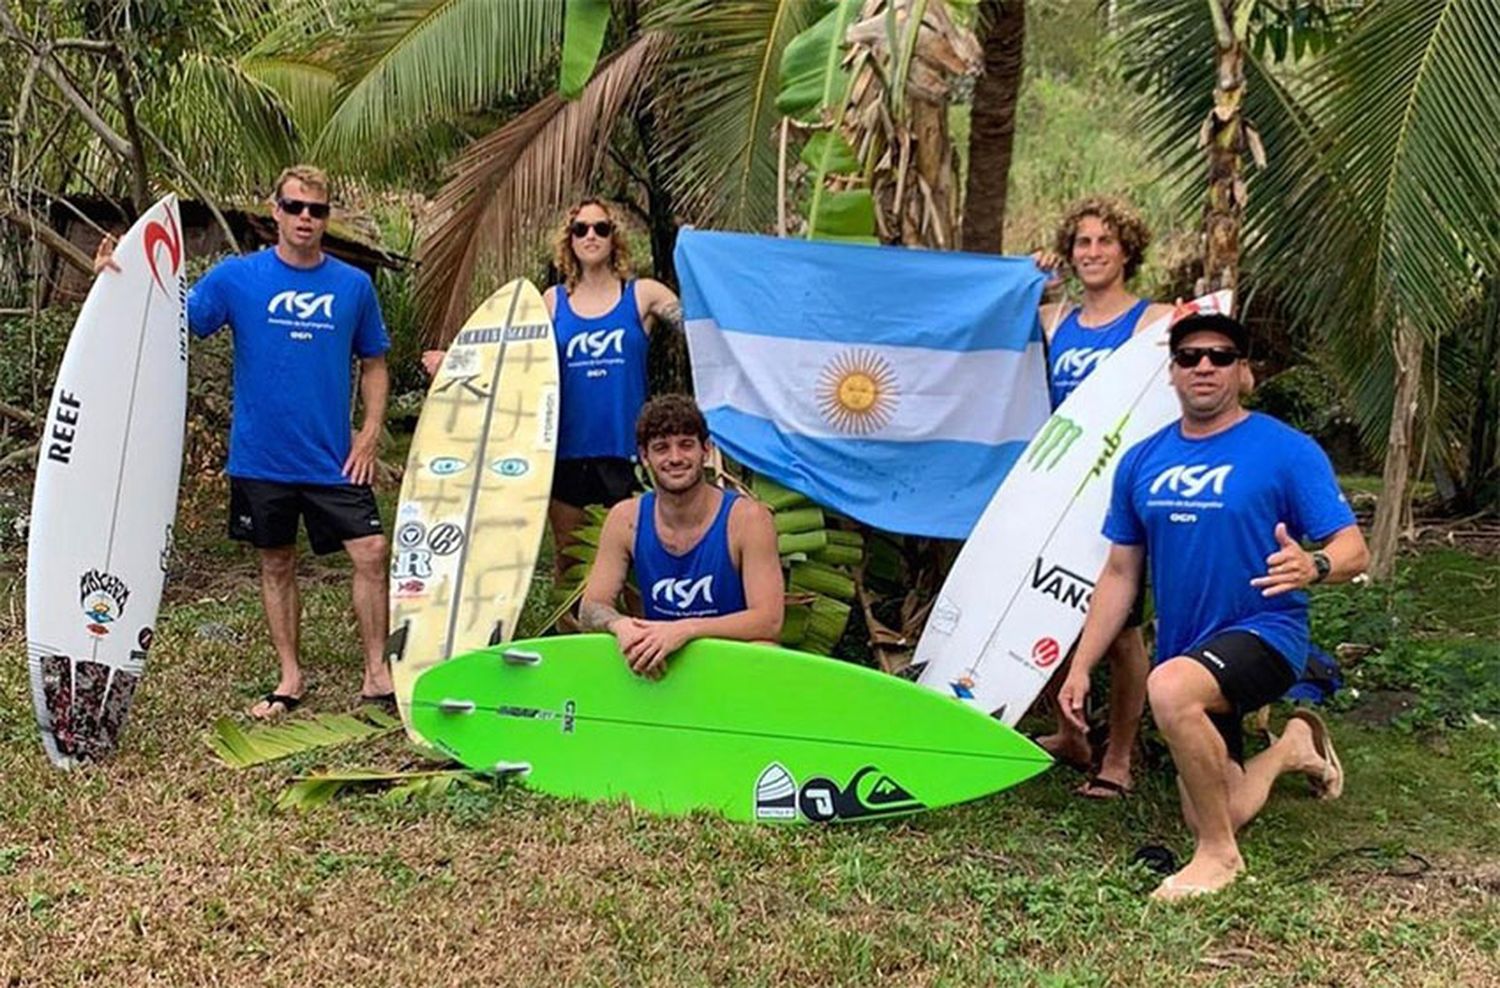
{"x": 164, "y": 863}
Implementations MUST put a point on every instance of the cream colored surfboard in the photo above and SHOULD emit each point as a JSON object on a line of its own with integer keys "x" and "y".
{"x": 474, "y": 499}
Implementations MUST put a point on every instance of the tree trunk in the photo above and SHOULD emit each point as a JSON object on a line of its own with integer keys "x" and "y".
{"x": 993, "y": 125}
{"x": 1225, "y": 137}
{"x": 1386, "y": 530}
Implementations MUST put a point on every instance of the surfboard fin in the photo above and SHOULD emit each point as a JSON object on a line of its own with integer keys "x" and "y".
{"x": 451, "y": 706}
{"x": 512, "y": 768}
{"x": 498, "y": 634}
{"x": 518, "y": 657}
{"x": 395, "y": 644}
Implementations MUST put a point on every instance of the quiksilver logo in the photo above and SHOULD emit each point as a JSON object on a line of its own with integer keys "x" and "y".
{"x": 683, "y": 593}
{"x": 303, "y": 305}
{"x": 596, "y": 344}
{"x": 1190, "y": 481}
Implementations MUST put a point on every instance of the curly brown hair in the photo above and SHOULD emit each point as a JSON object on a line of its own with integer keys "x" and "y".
{"x": 562, "y": 245}
{"x": 670, "y": 415}
{"x": 1121, "y": 219}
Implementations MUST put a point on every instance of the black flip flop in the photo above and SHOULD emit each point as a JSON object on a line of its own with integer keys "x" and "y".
{"x": 385, "y": 701}
{"x": 1116, "y": 790}
{"x": 288, "y": 704}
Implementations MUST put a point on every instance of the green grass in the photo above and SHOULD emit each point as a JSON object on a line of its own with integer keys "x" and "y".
{"x": 163, "y": 864}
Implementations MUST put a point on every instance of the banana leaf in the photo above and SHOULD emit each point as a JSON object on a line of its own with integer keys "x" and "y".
{"x": 242, "y": 747}
{"x": 309, "y": 792}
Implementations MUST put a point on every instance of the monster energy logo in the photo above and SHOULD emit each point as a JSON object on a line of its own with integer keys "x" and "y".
{"x": 1112, "y": 442}
{"x": 1057, "y": 435}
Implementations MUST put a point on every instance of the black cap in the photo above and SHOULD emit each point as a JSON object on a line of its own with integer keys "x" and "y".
{"x": 1211, "y": 322}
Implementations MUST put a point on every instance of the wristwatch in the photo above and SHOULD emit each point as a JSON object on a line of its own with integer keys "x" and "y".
{"x": 1323, "y": 564}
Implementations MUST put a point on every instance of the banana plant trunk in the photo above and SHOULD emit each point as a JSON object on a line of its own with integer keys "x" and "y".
{"x": 1225, "y": 136}
{"x": 1385, "y": 532}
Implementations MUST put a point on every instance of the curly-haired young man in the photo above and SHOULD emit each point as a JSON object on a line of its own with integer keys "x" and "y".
{"x": 1102, "y": 241}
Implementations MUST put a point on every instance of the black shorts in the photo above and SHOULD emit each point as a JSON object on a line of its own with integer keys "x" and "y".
{"x": 1250, "y": 674}
{"x": 605, "y": 480}
{"x": 265, "y": 512}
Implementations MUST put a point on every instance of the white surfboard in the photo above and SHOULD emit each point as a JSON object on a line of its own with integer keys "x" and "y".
{"x": 106, "y": 493}
{"x": 1015, "y": 600}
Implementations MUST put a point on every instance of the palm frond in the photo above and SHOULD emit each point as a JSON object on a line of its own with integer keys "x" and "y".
{"x": 416, "y": 61}
{"x": 240, "y": 747}
{"x": 1378, "y": 219}
{"x": 309, "y": 792}
{"x": 507, "y": 184}
{"x": 718, "y": 104}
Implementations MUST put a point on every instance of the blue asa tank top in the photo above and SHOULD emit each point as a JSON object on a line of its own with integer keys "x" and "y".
{"x": 603, "y": 378}
{"x": 701, "y": 582}
{"x": 1076, "y": 349}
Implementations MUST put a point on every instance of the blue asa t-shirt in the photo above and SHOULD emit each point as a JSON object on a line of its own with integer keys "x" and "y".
{"x": 1206, "y": 511}
{"x": 295, "y": 330}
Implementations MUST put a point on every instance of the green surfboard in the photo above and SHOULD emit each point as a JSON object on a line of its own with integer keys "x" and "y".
{"x": 755, "y": 732}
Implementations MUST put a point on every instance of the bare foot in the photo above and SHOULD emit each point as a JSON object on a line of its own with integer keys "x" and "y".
{"x": 377, "y": 681}
{"x": 1298, "y": 738}
{"x": 1068, "y": 747}
{"x": 1203, "y": 875}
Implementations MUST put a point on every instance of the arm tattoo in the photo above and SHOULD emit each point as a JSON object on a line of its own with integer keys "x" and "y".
{"x": 594, "y": 616}
{"x": 670, "y": 316}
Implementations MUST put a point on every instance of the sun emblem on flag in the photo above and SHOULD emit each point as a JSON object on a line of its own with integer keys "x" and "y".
{"x": 857, "y": 391}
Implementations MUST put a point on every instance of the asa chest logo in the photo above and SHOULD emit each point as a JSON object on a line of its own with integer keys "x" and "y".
{"x": 596, "y": 346}
{"x": 102, "y": 597}
{"x": 681, "y": 594}
{"x": 1079, "y": 362}
{"x": 303, "y": 311}
{"x": 1186, "y": 483}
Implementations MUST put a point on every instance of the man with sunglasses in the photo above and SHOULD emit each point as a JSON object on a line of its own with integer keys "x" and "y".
{"x": 298, "y": 316}
{"x": 1220, "y": 502}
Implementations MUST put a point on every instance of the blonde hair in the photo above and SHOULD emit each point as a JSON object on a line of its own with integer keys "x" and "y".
{"x": 1123, "y": 221}
{"x": 567, "y": 261}
{"x": 311, "y": 176}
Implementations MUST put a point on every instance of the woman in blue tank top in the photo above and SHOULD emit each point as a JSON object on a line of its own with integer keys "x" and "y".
{"x": 603, "y": 319}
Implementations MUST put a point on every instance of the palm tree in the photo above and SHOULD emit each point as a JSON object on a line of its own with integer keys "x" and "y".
{"x": 992, "y": 126}
{"x": 1374, "y": 221}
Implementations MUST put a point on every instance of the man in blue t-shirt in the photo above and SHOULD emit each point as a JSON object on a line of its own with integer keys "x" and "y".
{"x": 1220, "y": 502}
{"x": 299, "y": 317}
{"x": 704, "y": 559}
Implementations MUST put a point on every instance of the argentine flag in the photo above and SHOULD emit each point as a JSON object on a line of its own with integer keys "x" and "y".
{"x": 894, "y": 385}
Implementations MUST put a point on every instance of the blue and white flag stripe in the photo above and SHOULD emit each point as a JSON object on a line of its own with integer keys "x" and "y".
{"x": 928, "y": 396}
{"x": 895, "y": 385}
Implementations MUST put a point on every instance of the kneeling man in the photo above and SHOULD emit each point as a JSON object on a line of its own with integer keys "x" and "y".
{"x": 704, "y": 558}
{"x": 1220, "y": 501}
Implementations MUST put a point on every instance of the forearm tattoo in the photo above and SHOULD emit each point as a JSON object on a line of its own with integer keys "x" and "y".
{"x": 594, "y": 616}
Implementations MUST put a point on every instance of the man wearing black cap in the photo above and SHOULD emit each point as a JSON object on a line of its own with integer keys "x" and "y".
{"x": 1220, "y": 501}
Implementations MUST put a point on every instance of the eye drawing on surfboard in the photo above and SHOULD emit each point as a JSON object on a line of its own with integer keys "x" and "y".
{"x": 444, "y": 466}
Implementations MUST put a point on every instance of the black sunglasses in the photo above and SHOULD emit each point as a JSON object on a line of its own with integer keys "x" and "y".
{"x": 1189, "y": 356}
{"x": 579, "y": 228}
{"x": 317, "y": 210}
